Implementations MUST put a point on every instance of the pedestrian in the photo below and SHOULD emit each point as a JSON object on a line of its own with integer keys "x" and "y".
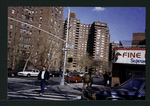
{"x": 106, "y": 78}
{"x": 68, "y": 77}
{"x": 87, "y": 80}
{"x": 43, "y": 76}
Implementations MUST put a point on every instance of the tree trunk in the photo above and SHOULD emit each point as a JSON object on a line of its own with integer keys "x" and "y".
{"x": 27, "y": 61}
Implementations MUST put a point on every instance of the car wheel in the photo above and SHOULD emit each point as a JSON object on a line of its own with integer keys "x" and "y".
{"x": 76, "y": 81}
{"x": 53, "y": 75}
{"x": 28, "y": 75}
{"x": 12, "y": 75}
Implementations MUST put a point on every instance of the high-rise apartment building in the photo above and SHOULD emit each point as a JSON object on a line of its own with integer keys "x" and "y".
{"x": 21, "y": 36}
{"x": 77, "y": 38}
{"x": 98, "y": 45}
{"x": 87, "y": 39}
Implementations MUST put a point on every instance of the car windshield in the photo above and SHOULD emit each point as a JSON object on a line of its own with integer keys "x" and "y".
{"x": 133, "y": 85}
{"x": 72, "y": 74}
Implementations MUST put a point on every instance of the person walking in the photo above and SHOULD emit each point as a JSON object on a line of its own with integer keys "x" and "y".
{"x": 106, "y": 78}
{"x": 87, "y": 80}
{"x": 43, "y": 76}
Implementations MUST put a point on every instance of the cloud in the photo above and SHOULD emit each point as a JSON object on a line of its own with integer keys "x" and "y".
{"x": 98, "y": 9}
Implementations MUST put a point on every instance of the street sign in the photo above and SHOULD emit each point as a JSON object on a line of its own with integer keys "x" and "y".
{"x": 68, "y": 46}
{"x": 65, "y": 49}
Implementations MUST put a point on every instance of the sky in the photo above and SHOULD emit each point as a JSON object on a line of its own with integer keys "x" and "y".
{"x": 122, "y": 21}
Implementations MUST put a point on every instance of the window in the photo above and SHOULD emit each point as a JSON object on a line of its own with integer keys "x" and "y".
{"x": 10, "y": 34}
{"x": 11, "y": 26}
{"x": 55, "y": 15}
{"x": 39, "y": 32}
{"x": 59, "y": 12}
{"x": 59, "y": 18}
{"x": 57, "y": 9}
{"x": 52, "y": 12}
{"x": 101, "y": 55}
{"x": 13, "y": 11}
{"x": 55, "y": 22}
{"x": 35, "y": 60}
{"x": 41, "y": 11}
{"x": 40, "y": 18}
{"x": 32, "y": 12}
{"x": 54, "y": 29}
{"x": 9, "y": 42}
{"x": 36, "y": 53}
{"x": 39, "y": 25}
{"x": 51, "y": 20}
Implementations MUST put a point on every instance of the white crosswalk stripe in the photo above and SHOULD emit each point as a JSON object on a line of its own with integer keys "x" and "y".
{"x": 45, "y": 96}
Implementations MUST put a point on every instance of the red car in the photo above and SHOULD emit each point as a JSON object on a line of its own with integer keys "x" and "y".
{"x": 75, "y": 78}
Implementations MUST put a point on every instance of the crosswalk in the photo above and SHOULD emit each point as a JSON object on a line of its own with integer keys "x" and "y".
{"x": 46, "y": 96}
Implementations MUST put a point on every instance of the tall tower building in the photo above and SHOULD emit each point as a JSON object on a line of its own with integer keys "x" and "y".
{"x": 77, "y": 38}
{"x": 98, "y": 45}
{"x": 21, "y": 35}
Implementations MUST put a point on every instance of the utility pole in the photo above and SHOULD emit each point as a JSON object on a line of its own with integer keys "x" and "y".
{"x": 62, "y": 80}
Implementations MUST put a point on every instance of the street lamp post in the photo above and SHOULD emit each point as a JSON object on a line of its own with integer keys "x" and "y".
{"x": 62, "y": 80}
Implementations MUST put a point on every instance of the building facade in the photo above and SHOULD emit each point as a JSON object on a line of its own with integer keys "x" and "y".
{"x": 77, "y": 38}
{"x": 24, "y": 38}
{"x": 128, "y": 62}
{"x": 87, "y": 39}
{"x": 137, "y": 38}
{"x": 98, "y": 45}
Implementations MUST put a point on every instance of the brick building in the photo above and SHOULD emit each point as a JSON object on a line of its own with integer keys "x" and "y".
{"x": 137, "y": 38}
{"x": 22, "y": 36}
{"x": 98, "y": 45}
{"x": 90, "y": 39}
{"x": 77, "y": 38}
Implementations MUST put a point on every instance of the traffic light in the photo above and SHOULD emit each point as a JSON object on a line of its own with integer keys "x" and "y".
{"x": 70, "y": 59}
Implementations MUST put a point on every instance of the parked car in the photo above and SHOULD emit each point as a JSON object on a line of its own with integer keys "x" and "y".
{"x": 75, "y": 78}
{"x": 29, "y": 73}
{"x": 11, "y": 72}
{"x": 133, "y": 89}
{"x": 81, "y": 74}
{"x": 55, "y": 74}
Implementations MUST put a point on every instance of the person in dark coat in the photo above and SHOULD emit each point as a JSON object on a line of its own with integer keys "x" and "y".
{"x": 43, "y": 76}
{"x": 87, "y": 80}
{"x": 106, "y": 77}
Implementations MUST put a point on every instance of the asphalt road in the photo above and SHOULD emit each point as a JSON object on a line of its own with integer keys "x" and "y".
{"x": 29, "y": 88}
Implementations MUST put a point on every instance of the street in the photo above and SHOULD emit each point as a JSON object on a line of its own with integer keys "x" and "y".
{"x": 29, "y": 88}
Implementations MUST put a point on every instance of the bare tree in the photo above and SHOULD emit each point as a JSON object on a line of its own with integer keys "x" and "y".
{"x": 85, "y": 61}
